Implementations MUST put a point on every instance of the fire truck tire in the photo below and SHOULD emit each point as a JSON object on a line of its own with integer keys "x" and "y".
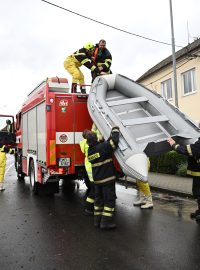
{"x": 18, "y": 167}
{"x": 33, "y": 184}
{"x": 68, "y": 186}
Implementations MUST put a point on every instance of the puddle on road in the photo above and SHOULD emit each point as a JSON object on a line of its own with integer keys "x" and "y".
{"x": 176, "y": 205}
{"x": 181, "y": 207}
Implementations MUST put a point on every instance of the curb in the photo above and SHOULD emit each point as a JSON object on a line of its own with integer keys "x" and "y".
{"x": 132, "y": 183}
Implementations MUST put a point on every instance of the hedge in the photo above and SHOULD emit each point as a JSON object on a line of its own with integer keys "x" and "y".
{"x": 169, "y": 163}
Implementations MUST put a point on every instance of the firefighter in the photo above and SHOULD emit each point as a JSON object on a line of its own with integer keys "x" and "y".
{"x": 73, "y": 63}
{"x": 8, "y": 126}
{"x": 100, "y": 154}
{"x": 193, "y": 169}
{"x": 89, "y": 203}
{"x": 102, "y": 58}
{"x": 3, "y": 150}
{"x": 145, "y": 197}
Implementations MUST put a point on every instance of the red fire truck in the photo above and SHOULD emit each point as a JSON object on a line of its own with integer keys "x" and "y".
{"x": 49, "y": 128}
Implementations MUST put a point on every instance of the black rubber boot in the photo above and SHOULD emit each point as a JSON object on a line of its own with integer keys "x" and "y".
{"x": 97, "y": 220}
{"x": 88, "y": 212}
{"x": 196, "y": 213}
{"x": 74, "y": 88}
{"x": 197, "y": 217}
{"x": 107, "y": 223}
{"x": 89, "y": 208}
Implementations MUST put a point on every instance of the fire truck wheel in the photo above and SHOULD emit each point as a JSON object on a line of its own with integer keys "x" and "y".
{"x": 18, "y": 167}
{"x": 33, "y": 184}
{"x": 68, "y": 186}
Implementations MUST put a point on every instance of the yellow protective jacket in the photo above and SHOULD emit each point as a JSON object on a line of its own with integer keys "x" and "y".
{"x": 98, "y": 133}
{"x": 88, "y": 166}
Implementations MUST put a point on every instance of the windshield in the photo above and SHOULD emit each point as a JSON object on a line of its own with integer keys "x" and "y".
{"x": 6, "y": 124}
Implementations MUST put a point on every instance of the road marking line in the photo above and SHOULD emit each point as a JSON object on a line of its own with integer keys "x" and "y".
{"x": 7, "y": 169}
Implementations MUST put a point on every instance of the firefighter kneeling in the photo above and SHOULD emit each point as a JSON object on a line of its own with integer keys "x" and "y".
{"x": 100, "y": 154}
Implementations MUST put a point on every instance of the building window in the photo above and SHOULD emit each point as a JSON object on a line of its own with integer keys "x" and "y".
{"x": 166, "y": 87}
{"x": 188, "y": 81}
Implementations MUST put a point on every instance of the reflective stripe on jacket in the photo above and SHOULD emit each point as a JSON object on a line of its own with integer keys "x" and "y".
{"x": 102, "y": 58}
{"x": 82, "y": 57}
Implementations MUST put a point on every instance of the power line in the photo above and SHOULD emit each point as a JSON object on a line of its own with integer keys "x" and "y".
{"x": 108, "y": 25}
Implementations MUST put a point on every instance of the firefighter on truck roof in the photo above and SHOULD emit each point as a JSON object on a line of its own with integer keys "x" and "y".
{"x": 73, "y": 63}
{"x": 102, "y": 58}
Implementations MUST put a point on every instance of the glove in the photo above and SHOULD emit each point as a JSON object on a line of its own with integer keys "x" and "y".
{"x": 114, "y": 128}
{"x": 96, "y": 70}
{"x": 12, "y": 151}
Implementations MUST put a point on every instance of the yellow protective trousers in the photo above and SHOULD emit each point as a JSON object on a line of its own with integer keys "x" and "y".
{"x": 71, "y": 64}
{"x": 144, "y": 188}
{"x": 2, "y": 166}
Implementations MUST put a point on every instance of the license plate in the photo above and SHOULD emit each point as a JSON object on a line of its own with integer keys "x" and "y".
{"x": 64, "y": 162}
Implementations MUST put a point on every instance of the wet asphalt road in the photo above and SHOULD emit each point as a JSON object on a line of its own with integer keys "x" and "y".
{"x": 52, "y": 233}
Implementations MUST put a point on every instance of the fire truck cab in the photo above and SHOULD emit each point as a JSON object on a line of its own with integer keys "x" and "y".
{"x": 7, "y": 130}
{"x": 49, "y": 128}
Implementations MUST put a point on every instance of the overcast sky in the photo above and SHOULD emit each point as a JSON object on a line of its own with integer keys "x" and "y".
{"x": 35, "y": 38}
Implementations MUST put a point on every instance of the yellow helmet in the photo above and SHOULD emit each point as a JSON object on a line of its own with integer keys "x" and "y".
{"x": 89, "y": 46}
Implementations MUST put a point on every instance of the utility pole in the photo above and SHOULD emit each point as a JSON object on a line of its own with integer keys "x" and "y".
{"x": 173, "y": 55}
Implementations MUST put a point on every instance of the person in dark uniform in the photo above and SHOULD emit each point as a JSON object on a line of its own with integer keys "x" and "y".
{"x": 102, "y": 58}
{"x": 193, "y": 169}
{"x": 100, "y": 154}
